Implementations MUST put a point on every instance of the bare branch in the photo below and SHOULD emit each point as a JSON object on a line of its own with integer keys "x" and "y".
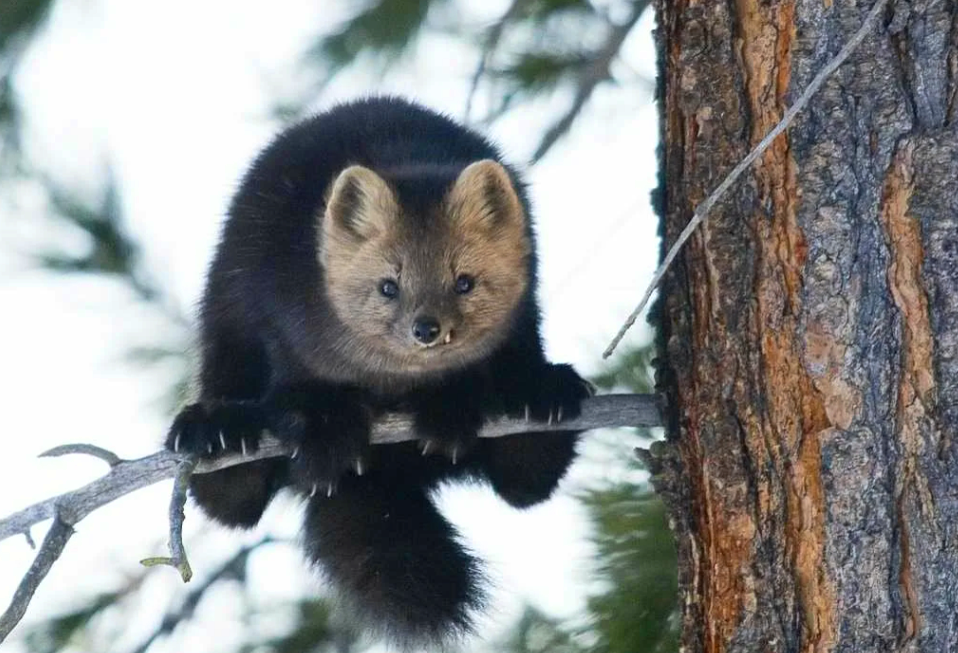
{"x": 105, "y": 455}
{"x": 53, "y": 544}
{"x": 123, "y": 479}
{"x": 177, "y": 559}
{"x": 232, "y": 568}
{"x": 592, "y": 75}
{"x": 702, "y": 210}
{"x": 131, "y": 475}
{"x": 127, "y": 476}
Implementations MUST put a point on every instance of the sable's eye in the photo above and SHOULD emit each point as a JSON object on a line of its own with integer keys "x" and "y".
{"x": 389, "y": 288}
{"x": 464, "y": 284}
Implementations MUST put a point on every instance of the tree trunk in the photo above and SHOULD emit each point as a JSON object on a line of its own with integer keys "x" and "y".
{"x": 809, "y": 333}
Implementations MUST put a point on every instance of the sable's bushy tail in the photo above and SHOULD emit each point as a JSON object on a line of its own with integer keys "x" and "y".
{"x": 394, "y": 560}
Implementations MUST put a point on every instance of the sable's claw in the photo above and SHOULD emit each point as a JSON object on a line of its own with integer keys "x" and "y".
{"x": 222, "y": 440}
{"x": 590, "y": 388}
{"x": 359, "y": 467}
{"x": 294, "y": 454}
{"x": 176, "y": 442}
{"x": 329, "y": 490}
{"x": 527, "y": 412}
{"x": 209, "y": 448}
{"x": 425, "y": 447}
{"x": 559, "y": 415}
{"x": 243, "y": 446}
{"x": 549, "y": 421}
{"x": 312, "y": 491}
{"x": 455, "y": 454}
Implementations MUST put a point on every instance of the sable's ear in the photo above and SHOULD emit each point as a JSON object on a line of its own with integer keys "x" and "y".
{"x": 483, "y": 199}
{"x": 360, "y": 205}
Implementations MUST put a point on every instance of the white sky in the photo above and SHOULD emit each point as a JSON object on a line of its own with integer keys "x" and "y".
{"x": 175, "y": 96}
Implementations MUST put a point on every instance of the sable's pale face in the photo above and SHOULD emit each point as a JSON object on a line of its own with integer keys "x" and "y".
{"x": 420, "y": 299}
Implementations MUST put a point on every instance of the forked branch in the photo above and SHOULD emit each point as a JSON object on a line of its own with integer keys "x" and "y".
{"x": 126, "y": 476}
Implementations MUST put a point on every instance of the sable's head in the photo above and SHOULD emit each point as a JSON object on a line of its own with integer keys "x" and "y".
{"x": 424, "y": 285}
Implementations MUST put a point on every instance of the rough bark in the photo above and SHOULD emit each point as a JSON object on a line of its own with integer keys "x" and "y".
{"x": 809, "y": 334}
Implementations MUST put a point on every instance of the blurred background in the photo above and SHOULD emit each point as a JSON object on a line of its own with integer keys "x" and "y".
{"x": 124, "y": 128}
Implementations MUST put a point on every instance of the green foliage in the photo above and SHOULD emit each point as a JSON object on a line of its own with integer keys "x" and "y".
{"x": 535, "y": 47}
{"x": 544, "y": 46}
{"x": 631, "y": 371}
{"x": 315, "y": 631}
{"x": 541, "y": 10}
{"x": 384, "y": 29}
{"x": 111, "y": 250}
{"x": 55, "y": 634}
{"x": 636, "y": 562}
{"x": 535, "y": 632}
{"x": 535, "y": 72}
{"x": 20, "y": 20}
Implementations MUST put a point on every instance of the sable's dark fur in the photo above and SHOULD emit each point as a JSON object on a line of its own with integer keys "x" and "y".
{"x": 276, "y": 355}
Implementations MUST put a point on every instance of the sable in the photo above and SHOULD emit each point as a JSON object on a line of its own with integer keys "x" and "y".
{"x": 378, "y": 257}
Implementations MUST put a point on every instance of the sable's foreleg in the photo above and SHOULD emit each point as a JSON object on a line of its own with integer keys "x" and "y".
{"x": 328, "y": 428}
{"x": 525, "y": 469}
{"x": 448, "y": 417}
{"x": 229, "y": 417}
{"x": 236, "y": 496}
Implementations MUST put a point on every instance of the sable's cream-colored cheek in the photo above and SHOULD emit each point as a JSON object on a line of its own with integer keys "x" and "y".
{"x": 501, "y": 269}
{"x": 352, "y": 288}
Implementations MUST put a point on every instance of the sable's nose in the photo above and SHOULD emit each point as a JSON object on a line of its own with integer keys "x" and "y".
{"x": 425, "y": 330}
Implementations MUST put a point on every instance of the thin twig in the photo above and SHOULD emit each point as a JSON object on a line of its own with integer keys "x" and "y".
{"x": 53, "y": 544}
{"x": 177, "y": 559}
{"x": 105, "y": 455}
{"x": 702, "y": 210}
{"x": 597, "y": 71}
{"x": 130, "y": 475}
{"x": 232, "y": 568}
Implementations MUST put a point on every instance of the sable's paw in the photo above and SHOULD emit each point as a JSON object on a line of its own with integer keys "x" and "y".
{"x": 329, "y": 436}
{"x": 447, "y": 428}
{"x": 222, "y": 426}
{"x": 552, "y": 396}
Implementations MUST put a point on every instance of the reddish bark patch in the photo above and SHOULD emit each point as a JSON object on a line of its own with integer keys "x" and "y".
{"x": 796, "y": 414}
{"x": 916, "y": 387}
